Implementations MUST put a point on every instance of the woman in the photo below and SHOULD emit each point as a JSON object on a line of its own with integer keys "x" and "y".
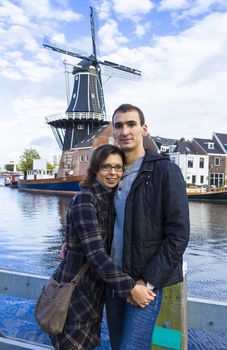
{"x": 90, "y": 221}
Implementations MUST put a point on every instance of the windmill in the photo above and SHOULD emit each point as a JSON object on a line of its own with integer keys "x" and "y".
{"x": 86, "y": 111}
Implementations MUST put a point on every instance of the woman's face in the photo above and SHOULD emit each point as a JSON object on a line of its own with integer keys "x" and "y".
{"x": 111, "y": 171}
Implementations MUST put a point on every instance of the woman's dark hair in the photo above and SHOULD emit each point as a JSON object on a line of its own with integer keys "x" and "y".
{"x": 99, "y": 155}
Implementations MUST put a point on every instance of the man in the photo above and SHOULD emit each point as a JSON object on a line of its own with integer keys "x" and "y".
{"x": 151, "y": 230}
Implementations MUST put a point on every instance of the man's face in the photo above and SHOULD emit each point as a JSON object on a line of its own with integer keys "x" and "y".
{"x": 128, "y": 131}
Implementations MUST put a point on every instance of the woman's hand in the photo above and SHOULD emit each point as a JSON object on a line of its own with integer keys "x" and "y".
{"x": 62, "y": 251}
{"x": 141, "y": 295}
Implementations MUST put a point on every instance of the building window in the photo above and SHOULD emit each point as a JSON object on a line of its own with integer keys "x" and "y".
{"x": 201, "y": 162}
{"x": 193, "y": 179}
{"x": 164, "y": 148}
{"x": 68, "y": 160}
{"x": 210, "y": 145}
{"x": 190, "y": 162}
{"x": 217, "y": 161}
{"x": 201, "y": 179}
{"x": 217, "y": 179}
{"x": 83, "y": 158}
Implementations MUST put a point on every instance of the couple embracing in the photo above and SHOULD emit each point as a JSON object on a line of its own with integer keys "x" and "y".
{"x": 130, "y": 222}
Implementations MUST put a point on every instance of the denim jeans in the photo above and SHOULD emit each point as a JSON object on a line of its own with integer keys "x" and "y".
{"x": 131, "y": 327}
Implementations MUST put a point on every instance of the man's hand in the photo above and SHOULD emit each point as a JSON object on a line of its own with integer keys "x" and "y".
{"x": 140, "y": 295}
{"x": 129, "y": 298}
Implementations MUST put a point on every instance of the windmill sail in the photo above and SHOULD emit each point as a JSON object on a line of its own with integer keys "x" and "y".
{"x": 86, "y": 111}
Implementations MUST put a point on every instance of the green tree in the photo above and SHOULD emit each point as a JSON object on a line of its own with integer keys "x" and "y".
{"x": 26, "y": 159}
{"x": 9, "y": 167}
{"x": 50, "y": 166}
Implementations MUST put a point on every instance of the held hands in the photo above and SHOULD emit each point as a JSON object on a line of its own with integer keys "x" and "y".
{"x": 140, "y": 295}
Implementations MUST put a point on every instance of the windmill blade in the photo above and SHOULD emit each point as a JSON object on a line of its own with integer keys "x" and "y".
{"x": 121, "y": 67}
{"x": 93, "y": 36}
{"x": 112, "y": 72}
{"x": 116, "y": 66}
{"x": 66, "y": 50}
{"x": 128, "y": 71}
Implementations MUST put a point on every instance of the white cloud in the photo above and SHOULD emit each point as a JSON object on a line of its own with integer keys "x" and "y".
{"x": 3, "y": 63}
{"x": 11, "y": 74}
{"x": 23, "y": 106}
{"x": 132, "y": 8}
{"x": 103, "y": 8}
{"x": 110, "y": 36}
{"x": 142, "y": 29}
{"x": 173, "y": 4}
{"x": 16, "y": 67}
{"x": 13, "y": 13}
{"x": 187, "y": 8}
{"x": 204, "y": 6}
{"x": 44, "y": 10}
{"x": 184, "y": 81}
{"x": 28, "y": 120}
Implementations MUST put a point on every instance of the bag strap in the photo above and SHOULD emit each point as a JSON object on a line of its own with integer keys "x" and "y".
{"x": 84, "y": 269}
{"x": 80, "y": 273}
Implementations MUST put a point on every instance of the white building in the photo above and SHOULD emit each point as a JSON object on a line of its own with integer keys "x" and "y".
{"x": 192, "y": 161}
{"x": 40, "y": 170}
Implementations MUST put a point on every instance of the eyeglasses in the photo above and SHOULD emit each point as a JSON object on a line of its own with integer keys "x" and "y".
{"x": 108, "y": 167}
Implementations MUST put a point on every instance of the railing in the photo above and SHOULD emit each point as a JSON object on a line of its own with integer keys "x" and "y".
{"x": 171, "y": 329}
{"x": 24, "y": 285}
{"x": 77, "y": 115}
{"x": 178, "y": 313}
{"x": 196, "y": 189}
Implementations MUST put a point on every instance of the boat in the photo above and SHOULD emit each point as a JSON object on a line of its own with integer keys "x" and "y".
{"x": 208, "y": 194}
{"x": 2, "y": 181}
{"x": 85, "y": 125}
{"x": 11, "y": 179}
{"x": 62, "y": 185}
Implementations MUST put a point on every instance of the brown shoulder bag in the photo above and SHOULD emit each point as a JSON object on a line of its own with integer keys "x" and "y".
{"x": 53, "y": 303}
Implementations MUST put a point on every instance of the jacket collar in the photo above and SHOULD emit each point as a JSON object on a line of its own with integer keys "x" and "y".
{"x": 98, "y": 188}
{"x": 153, "y": 156}
{"x": 150, "y": 158}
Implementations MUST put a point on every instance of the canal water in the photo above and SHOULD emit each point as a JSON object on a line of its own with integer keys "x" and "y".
{"x": 32, "y": 230}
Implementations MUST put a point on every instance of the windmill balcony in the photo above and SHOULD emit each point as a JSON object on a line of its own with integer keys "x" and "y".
{"x": 77, "y": 115}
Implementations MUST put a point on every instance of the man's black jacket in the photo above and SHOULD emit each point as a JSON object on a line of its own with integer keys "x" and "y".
{"x": 156, "y": 229}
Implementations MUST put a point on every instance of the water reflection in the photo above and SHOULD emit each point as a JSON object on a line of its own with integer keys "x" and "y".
{"x": 207, "y": 251}
{"x": 32, "y": 229}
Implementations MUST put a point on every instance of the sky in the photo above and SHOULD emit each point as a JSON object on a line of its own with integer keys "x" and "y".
{"x": 179, "y": 45}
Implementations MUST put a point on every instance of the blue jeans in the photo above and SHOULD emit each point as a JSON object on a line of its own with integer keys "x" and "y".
{"x": 131, "y": 327}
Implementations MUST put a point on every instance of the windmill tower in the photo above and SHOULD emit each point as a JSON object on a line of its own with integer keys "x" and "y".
{"x": 86, "y": 112}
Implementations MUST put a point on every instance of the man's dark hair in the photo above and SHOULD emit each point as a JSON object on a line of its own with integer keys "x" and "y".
{"x": 99, "y": 155}
{"x": 126, "y": 107}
